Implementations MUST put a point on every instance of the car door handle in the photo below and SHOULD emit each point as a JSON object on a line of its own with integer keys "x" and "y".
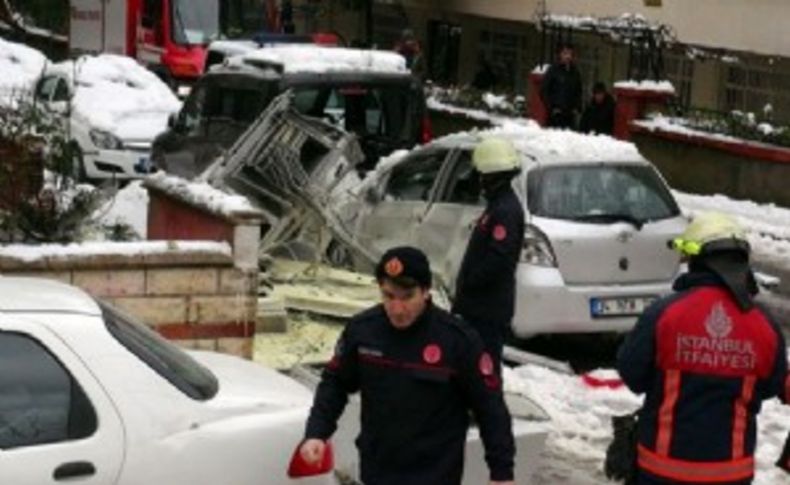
{"x": 75, "y": 469}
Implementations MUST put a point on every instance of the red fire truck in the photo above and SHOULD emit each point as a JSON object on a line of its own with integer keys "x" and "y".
{"x": 168, "y": 36}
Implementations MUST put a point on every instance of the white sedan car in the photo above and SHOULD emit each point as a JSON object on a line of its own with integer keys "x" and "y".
{"x": 114, "y": 109}
{"x": 88, "y": 395}
{"x": 598, "y": 217}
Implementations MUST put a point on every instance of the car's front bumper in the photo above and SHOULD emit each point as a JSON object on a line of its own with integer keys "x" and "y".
{"x": 118, "y": 164}
{"x": 545, "y": 304}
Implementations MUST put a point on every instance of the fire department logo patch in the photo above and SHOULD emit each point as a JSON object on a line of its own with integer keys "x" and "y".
{"x": 500, "y": 233}
{"x": 486, "y": 364}
{"x": 394, "y": 267}
{"x": 718, "y": 323}
{"x": 432, "y": 354}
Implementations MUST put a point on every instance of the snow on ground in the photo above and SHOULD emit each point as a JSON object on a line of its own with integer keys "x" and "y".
{"x": 20, "y": 66}
{"x": 581, "y": 430}
{"x": 31, "y": 253}
{"x": 116, "y": 94}
{"x": 128, "y": 206}
{"x": 311, "y": 58}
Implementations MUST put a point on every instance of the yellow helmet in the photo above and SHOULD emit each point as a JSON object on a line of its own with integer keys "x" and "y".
{"x": 711, "y": 231}
{"x": 495, "y": 154}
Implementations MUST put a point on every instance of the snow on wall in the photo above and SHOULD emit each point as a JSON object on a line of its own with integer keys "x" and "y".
{"x": 310, "y": 58}
{"x": 653, "y": 86}
{"x": 203, "y": 195}
{"x": 31, "y": 253}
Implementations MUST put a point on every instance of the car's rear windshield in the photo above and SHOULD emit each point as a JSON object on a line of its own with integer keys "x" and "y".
{"x": 368, "y": 110}
{"x": 167, "y": 360}
{"x": 600, "y": 193}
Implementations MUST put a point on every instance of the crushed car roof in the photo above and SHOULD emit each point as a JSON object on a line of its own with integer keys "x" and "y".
{"x": 549, "y": 145}
{"x": 41, "y": 295}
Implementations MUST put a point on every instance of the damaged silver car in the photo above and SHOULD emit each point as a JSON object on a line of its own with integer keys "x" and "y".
{"x": 598, "y": 216}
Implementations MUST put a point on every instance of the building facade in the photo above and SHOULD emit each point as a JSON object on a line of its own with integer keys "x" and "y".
{"x": 726, "y": 55}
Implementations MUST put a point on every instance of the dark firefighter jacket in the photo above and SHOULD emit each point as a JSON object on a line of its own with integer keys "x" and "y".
{"x": 562, "y": 88}
{"x": 705, "y": 367}
{"x": 416, "y": 386}
{"x": 486, "y": 283}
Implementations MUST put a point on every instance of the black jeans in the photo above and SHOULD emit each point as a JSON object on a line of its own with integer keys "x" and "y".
{"x": 562, "y": 119}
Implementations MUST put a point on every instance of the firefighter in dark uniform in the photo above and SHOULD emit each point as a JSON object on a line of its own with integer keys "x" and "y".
{"x": 419, "y": 371}
{"x": 705, "y": 357}
{"x": 485, "y": 290}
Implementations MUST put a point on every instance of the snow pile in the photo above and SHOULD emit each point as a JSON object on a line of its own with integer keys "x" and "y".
{"x": 30, "y": 253}
{"x": 316, "y": 59}
{"x": 554, "y": 144}
{"x": 653, "y": 86}
{"x": 581, "y": 428}
{"x": 129, "y": 207}
{"x": 116, "y": 94}
{"x": 495, "y": 102}
{"x": 203, "y": 195}
{"x": 20, "y": 66}
{"x": 675, "y": 125}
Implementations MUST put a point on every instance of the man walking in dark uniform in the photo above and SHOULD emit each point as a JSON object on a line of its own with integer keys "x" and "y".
{"x": 419, "y": 371}
{"x": 486, "y": 284}
{"x": 561, "y": 90}
{"x": 705, "y": 357}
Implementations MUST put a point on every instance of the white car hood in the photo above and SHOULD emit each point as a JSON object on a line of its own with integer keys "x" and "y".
{"x": 141, "y": 126}
{"x": 245, "y": 385}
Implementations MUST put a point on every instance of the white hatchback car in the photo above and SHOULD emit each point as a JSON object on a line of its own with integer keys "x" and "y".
{"x": 598, "y": 216}
{"x": 87, "y": 395}
{"x": 114, "y": 108}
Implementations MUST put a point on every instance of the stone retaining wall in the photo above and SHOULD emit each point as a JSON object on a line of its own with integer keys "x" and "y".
{"x": 201, "y": 300}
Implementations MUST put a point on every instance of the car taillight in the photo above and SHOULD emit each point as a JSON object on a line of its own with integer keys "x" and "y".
{"x": 537, "y": 248}
{"x": 426, "y": 130}
{"x": 299, "y": 468}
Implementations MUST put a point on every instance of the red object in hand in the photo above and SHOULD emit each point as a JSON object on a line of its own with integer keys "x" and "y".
{"x": 597, "y": 382}
{"x": 299, "y": 468}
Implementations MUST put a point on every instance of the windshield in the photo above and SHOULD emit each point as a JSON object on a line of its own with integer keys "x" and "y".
{"x": 368, "y": 111}
{"x": 195, "y": 21}
{"x": 167, "y": 360}
{"x": 600, "y": 193}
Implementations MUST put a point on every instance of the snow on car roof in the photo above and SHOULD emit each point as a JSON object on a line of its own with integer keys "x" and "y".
{"x": 319, "y": 59}
{"x": 116, "y": 94}
{"x": 42, "y": 295}
{"x": 21, "y": 67}
{"x": 550, "y": 145}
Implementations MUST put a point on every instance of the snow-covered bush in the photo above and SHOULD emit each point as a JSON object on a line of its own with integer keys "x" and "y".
{"x": 39, "y": 200}
{"x": 470, "y": 98}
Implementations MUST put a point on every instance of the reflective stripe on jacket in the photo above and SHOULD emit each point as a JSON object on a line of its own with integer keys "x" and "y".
{"x": 705, "y": 368}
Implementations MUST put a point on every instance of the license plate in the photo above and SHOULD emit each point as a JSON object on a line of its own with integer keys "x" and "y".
{"x": 619, "y": 306}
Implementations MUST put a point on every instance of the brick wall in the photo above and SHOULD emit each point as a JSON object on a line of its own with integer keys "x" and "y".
{"x": 200, "y": 300}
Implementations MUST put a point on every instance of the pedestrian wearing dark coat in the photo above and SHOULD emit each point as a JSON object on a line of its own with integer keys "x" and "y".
{"x": 598, "y": 116}
{"x": 561, "y": 90}
{"x": 419, "y": 371}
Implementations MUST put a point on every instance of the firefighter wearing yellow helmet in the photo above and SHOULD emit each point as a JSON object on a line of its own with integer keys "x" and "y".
{"x": 705, "y": 357}
{"x": 485, "y": 287}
